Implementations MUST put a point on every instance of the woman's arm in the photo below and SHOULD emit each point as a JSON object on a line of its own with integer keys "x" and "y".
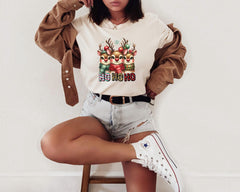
{"x": 169, "y": 64}
{"x": 56, "y": 34}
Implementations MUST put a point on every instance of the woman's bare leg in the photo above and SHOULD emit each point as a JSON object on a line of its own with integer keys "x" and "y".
{"x": 138, "y": 178}
{"x": 83, "y": 140}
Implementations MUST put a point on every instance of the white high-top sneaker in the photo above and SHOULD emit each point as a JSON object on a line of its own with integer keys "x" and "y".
{"x": 152, "y": 154}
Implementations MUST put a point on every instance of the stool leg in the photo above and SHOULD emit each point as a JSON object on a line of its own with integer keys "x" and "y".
{"x": 85, "y": 177}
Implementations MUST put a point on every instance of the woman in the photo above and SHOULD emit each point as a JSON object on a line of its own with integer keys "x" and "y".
{"x": 114, "y": 46}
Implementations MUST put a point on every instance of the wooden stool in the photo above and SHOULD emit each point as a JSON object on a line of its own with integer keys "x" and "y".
{"x": 87, "y": 179}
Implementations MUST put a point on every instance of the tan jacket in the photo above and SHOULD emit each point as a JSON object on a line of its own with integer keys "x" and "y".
{"x": 57, "y": 37}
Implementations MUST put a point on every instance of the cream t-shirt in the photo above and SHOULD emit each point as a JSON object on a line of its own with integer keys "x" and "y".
{"x": 116, "y": 59}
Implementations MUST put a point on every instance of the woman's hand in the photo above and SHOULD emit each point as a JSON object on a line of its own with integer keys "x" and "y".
{"x": 150, "y": 93}
{"x": 87, "y": 3}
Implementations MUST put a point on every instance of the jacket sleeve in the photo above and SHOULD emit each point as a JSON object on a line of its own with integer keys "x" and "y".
{"x": 55, "y": 31}
{"x": 169, "y": 63}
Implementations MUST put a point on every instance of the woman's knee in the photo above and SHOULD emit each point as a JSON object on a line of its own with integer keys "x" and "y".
{"x": 52, "y": 148}
{"x": 57, "y": 143}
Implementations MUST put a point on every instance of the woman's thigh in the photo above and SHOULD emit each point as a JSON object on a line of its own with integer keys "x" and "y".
{"x": 138, "y": 178}
{"x": 67, "y": 131}
{"x": 74, "y": 128}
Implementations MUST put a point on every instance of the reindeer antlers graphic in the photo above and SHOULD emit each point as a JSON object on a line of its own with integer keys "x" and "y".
{"x": 100, "y": 47}
{"x": 133, "y": 47}
{"x": 124, "y": 42}
{"x": 110, "y": 44}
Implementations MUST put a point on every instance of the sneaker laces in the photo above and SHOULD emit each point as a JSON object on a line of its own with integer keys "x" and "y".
{"x": 148, "y": 162}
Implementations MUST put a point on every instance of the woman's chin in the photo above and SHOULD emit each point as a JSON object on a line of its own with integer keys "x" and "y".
{"x": 116, "y": 9}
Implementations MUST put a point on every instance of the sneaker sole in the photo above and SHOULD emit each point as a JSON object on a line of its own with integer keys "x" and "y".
{"x": 169, "y": 160}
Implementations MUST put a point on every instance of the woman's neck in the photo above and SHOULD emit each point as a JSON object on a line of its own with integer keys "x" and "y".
{"x": 117, "y": 17}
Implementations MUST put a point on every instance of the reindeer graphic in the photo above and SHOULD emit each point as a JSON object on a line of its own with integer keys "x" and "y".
{"x": 116, "y": 62}
{"x": 129, "y": 56}
{"x": 116, "y": 58}
{"x": 105, "y": 55}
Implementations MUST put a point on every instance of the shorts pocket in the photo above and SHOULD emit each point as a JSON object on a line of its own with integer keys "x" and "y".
{"x": 91, "y": 99}
{"x": 144, "y": 106}
{"x": 141, "y": 104}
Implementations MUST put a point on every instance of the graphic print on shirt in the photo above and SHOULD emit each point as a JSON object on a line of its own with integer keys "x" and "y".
{"x": 117, "y": 62}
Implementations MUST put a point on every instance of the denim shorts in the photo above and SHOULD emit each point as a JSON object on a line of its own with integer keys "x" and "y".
{"x": 120, "y": 120}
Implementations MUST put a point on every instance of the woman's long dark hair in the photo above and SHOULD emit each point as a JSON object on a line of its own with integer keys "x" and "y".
{"x": 99, "y": 11}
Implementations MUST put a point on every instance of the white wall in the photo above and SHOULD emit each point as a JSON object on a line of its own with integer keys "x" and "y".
{"x": 197, "y": 115}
